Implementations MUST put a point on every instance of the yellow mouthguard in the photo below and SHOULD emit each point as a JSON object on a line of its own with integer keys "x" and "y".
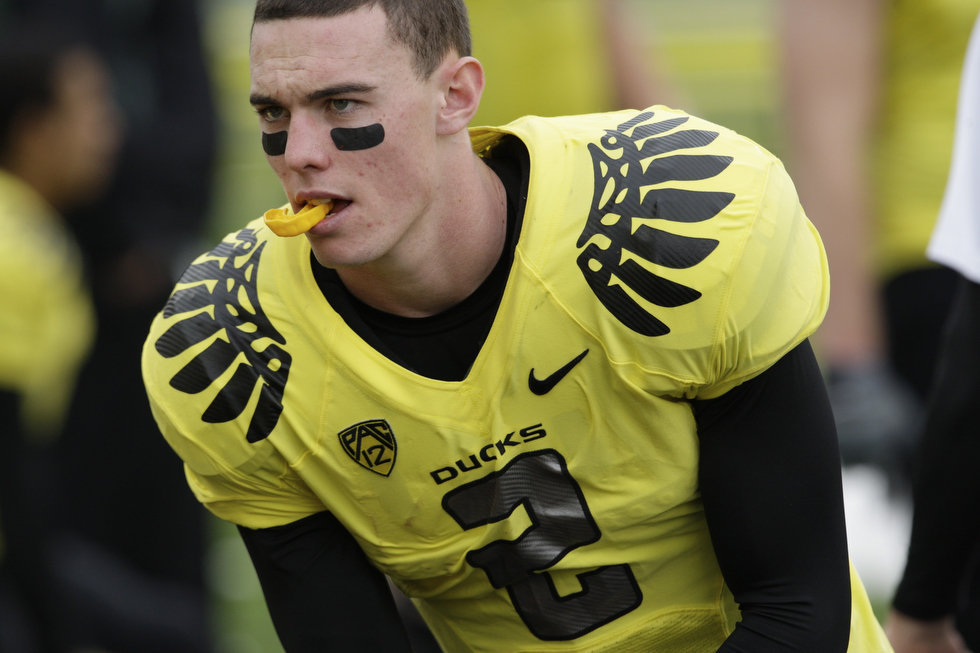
{"x": 283, "y": 222}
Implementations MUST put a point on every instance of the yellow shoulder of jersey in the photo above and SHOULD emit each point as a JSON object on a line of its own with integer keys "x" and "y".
{"x": 214, "y": 370}
{"x": 691, "y": 237}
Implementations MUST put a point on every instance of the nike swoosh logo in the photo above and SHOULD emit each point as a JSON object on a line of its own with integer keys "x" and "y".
{"x": 544, "y": 386}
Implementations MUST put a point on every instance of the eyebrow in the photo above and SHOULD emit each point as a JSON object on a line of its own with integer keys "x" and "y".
{"x": 331, "y": 91}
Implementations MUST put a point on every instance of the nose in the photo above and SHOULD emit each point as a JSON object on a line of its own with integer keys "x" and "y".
{"x": 308, "y": 144}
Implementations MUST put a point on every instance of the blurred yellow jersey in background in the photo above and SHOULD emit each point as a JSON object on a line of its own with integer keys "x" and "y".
{"x": 924, "y": 45}
{"x": 541, "y": 57}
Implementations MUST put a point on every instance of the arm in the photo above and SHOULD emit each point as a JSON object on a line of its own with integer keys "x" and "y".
{"x": 830, "y": 53}
{"x": 637, "y": 79}
{"x": 945, "y": 531}
{"x": 322, "y": 593}
{"x": 770, "y": 481}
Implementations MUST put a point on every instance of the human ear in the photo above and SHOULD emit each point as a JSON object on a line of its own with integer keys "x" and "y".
{"x": 462, "y": 89}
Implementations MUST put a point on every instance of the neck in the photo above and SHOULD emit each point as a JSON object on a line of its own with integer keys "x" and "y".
{"x": 458, "y": 253}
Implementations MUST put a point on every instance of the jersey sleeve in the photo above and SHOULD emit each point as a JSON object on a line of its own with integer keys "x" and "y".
{"x": 251, "y": 485}
{"x": 701, "y": 269}
{"x": 755, "y": 280}
{"x": 775, "y": 293}
{"x": 212, "y": 386}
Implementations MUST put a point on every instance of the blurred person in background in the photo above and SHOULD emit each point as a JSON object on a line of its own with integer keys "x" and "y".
{"x": 137, "y": 552}
{"x": 871, "y": 91}
{"x": 936, "y": 608}
{"x": 563, "y": 57}
{"x": 59, "y": 136}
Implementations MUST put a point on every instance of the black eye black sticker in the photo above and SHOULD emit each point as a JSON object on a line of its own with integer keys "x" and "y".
{"x": 349, "y": 139}
{"x": 274, "y": 144}
{"x": 357, "y": 138}
{"x": 632, "y": 166}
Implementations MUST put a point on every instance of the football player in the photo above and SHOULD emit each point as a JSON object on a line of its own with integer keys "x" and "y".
{"x": 553, "y": 378}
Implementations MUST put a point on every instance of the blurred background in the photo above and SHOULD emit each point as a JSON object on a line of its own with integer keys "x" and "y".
{"x": 725, "y": 60}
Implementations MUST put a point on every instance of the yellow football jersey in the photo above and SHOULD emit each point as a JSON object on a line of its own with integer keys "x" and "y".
{"x": 549, "y": 500}
{"x": 545, "y": 57}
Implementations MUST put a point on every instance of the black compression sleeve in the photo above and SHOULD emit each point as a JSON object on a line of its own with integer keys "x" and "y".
{"x": 321, "y": 591}
{"x": 771, "y": 485}
{"x": 945, "y": 528}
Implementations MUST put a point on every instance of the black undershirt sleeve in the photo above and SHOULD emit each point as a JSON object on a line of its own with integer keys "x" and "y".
{"x": 770, "y": 479}
{"x": 321, "y": 591}
{"x": 945, "y": 538}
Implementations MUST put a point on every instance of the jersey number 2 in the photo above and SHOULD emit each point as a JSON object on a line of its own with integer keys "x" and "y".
{"x": 560, "y": 522}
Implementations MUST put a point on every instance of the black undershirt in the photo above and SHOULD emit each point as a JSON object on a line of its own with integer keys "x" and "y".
{"x": 770, "y": 481}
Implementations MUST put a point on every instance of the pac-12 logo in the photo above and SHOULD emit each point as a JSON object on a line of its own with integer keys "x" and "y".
{"x": 371, "y": 444}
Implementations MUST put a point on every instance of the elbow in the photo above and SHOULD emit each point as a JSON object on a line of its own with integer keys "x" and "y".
{"x": 821, "y": 624}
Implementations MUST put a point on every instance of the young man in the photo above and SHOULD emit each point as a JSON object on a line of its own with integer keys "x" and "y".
{"x": 552, "y": 379}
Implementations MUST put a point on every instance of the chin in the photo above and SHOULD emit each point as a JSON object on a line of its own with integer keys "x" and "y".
{"x": 335, "y": 260}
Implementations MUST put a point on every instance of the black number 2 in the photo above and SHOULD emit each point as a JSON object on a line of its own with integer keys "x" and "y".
{"x": 560, "y": 522}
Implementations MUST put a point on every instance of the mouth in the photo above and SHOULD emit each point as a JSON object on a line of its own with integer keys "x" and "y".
{"x": 328, "y": 202}
{"x": 333, "y": 205}
{"x": 283, "y": 222}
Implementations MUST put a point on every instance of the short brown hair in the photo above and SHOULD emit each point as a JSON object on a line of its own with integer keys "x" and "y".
{"x": 430, "y": 28}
